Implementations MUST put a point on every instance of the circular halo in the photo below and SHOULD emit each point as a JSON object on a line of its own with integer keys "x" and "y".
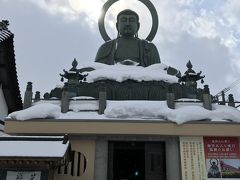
{"x": 147, "y": 3}
{"x": 214, "y": 160}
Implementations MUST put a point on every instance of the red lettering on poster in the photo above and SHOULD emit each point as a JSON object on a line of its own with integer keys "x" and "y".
{"x": 221, "y": 147}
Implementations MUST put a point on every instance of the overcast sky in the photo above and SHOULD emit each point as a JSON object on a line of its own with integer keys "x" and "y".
{"x": 49, "y": 34}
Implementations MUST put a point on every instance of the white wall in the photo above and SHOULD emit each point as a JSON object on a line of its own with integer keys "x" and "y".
{"x": 3, "y": 105}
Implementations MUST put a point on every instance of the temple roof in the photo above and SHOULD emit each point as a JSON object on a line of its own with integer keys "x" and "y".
{"x": 34, "y": 147}
{"x": 1, "y": 125}
{"x": 5, "y": 34}
{"x": 8, "y": 73}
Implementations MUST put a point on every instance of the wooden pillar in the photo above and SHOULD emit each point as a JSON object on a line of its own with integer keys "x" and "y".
{"x": 81, "y": 164}
{"x": 62, "y": 169}
{"x": 51, "y": 173}
{"x": 75, "y": 164}
{"x": 69, "y": 168}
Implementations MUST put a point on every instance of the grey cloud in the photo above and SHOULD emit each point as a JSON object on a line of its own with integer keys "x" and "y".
{"x": 206, "y": 55}
{"x": 46, "y": 43}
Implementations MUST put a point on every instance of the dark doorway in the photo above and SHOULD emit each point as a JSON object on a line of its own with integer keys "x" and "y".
{"x": 136, "y": 161}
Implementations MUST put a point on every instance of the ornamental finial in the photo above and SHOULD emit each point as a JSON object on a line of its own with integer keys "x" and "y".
{"x": 4, "y": 25}
{"x": 74, "y": 65}
{"x": 189, "y": 65}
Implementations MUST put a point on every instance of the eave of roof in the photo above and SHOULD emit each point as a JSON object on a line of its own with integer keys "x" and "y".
{"x": 36, "y": 147}
{"x": 120, "y": 127}
{"x": 5, "y": 34}
{"x": 9, "y": 79}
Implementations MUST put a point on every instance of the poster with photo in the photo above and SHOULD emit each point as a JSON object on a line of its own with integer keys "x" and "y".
{"x": 210, "y": 158}
{"x": 222, "y": 157}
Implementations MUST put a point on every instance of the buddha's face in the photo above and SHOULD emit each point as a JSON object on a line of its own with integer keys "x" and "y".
{"x": 127, "y": 25}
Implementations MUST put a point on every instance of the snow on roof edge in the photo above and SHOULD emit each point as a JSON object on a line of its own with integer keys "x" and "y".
{"x": 35, "y": 149}
{"x": 135, "y": 110}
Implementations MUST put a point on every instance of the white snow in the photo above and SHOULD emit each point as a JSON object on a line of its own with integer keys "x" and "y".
{"x": 120, "y": 73}
{"x": 52, "y": 101}
{"x": 82, "y": 116}
{"x": 133, "y": 110}
{"x": 82, "y": 97}
{"x": 45, "y": 110}
{"x": 184, "y": 112}
{"x": 83, "y": 105}
{"x": 32, "y": 148}
{"x": 59, "y": 85}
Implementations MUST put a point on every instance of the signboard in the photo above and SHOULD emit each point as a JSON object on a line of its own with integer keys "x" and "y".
{"x": 210, "y": 158}
{"x": 23, "y": 175}
{"x": 192, "y": 158}
{"x": 222, "y": 157}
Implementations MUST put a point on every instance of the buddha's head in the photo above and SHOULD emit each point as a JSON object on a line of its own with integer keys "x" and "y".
{"x": 127, "y": 23}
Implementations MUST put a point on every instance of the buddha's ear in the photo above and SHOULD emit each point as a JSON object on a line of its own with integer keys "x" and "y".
{"x": 117, "y": 29}
{"x": 138, "y": 25}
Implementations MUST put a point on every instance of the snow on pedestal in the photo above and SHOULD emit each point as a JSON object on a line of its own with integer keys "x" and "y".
{"x": 120, "y": 73}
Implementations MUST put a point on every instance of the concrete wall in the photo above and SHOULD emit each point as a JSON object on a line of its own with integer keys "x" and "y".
{"x": 87, "y": 148}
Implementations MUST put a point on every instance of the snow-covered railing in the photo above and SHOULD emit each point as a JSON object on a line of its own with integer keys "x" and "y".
{"x": 102, "y": 101}
{"x": 68, "y": 101}
{"x": 206, "y": 100}
{"x": 230, "y": 100}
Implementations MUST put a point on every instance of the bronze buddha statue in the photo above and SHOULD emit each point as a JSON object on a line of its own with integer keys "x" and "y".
{"x": 127, "y": 48}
